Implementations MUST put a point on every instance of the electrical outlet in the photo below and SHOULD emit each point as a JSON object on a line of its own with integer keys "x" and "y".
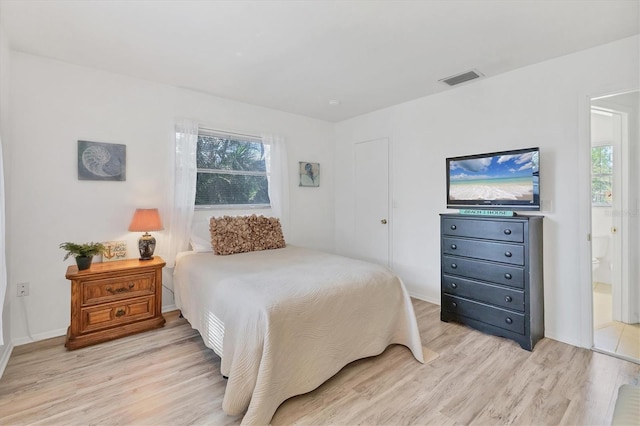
{"x": 23, "y": 289}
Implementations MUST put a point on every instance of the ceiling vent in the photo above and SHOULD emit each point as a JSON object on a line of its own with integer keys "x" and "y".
{"x": 461, "y": 78}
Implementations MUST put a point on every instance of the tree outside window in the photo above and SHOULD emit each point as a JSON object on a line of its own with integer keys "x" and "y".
{"x": 602, "y": 175}
{"x": 231, "y": 171}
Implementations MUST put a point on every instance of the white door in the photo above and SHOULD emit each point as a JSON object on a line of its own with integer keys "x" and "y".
{"x": 372, "y": 222}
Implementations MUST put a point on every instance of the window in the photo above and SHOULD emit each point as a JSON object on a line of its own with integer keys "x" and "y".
{"x": 231, "y": 171}
{"x": 602, "y": 175}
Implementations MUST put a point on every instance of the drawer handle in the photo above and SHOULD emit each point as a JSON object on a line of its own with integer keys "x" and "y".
{"x": 508, "y": 299}
{"x": 454, "y": 285}
{"x": 454, "y": 266}
{"x": 120, "y": 289}
{"x": 507, "y": 232}
{"x": 508, "y": 320}
{"x": 120, "y": 312}
{"x": 453, "y": 246}
{"x": 508, "y": 276}
{"x": 508, "y": 253}
{"x": 454, "y": 304}
{"x": 454, "y": 227}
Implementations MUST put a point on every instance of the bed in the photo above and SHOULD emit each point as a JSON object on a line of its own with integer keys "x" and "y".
{"x": 284, "y": 321}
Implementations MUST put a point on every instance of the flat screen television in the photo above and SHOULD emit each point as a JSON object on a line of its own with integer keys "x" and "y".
{"x": 506, "y": 180}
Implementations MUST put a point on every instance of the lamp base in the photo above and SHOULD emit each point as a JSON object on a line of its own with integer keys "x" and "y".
{"x": 146, "y": 245}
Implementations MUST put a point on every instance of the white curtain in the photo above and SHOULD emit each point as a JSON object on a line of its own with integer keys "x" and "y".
{"x": 184, "y": 193}
{"x": 3, "y": 263}
{"x": 278, "y": 178}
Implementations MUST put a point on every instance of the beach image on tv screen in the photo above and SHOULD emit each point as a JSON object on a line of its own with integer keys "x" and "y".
{"x": 500, "y": 177}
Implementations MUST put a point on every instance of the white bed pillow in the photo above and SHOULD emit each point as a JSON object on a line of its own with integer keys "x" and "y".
{"x": 200, "y": 237}
{"x": 200, "y": 245}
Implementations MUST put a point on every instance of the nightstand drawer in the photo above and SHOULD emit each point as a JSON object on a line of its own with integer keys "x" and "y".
{"x": 490, "y": 230}
{"x": 117, "y": 313}
{"x": 485, "y": 250}
{"x": 496, "y": 295}
{"x": 500, "y": 274}
{"x": 508, "y": 320}
{"x": 118, "y": 288}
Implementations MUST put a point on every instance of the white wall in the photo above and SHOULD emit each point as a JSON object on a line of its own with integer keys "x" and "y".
{"x": 533, "y": 106}
{"x": 5, "y": 349}
{"x": 55, "y": 104}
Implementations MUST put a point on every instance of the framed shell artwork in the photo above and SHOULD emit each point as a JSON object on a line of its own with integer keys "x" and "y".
{"x": 102, "y": 161}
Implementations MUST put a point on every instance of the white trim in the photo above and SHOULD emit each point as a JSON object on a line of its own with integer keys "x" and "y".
{"x": 63, "y": 331}
{"x": 232, "y": 206}
{"x": 423, "y": 297}
{"x": 40, "y": 336}
{"x": 584, "y": 216}
{"x": 4, "y": 359}
{"x": 584, "y": 223}
{"x": 222, "y": 133}
{"x": 169, "y": 308}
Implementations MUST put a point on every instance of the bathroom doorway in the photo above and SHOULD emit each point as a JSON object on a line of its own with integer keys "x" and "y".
{"x": 615, "y": 232}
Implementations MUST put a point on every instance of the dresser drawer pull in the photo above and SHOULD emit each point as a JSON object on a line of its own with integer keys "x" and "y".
{"x": 508, "y": 299}
{"x": 508, "y": 253}
{"x": 454, "y": 285}
{"x": 454, "y": 227}
{"x": 120, "y": 312}
{"x": 507, "y": 232}
{"x": 120, "y": 289}
{"x": 508, "y": 276}
{"x": 454, "y": 305}
{"x": 454, "y": 266}
{"x": 508, "y": 320}
{"x": 453, "y": 246}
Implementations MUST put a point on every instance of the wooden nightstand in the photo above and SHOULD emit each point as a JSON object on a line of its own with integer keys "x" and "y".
{"x": 114, "y": 299}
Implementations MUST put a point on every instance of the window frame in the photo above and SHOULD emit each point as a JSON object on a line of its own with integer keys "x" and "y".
{"x": 602, "y": 175}
{"x": 235, "y": 137}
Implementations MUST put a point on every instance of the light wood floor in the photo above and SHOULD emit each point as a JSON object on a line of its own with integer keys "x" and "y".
{"x": 609, "y": 335}
{"x": 168, "y": 377}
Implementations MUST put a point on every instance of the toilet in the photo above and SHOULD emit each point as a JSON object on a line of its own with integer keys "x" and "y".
{"x": 599, "y": 245}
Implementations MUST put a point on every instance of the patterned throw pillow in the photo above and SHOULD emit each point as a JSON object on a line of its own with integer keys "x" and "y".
{"x": 266, "y": 233}
{"x": 240, "y": 234}
{"x": 230, "y": 235}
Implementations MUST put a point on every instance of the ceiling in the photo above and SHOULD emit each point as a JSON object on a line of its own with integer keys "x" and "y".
{"x": 297, "y": 56}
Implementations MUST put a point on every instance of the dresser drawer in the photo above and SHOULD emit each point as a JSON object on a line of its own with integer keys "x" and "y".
{"x": 482, "y": 292}
{"x": 117, "y": 313}
{"x": 497, "y": 252}
{"x": 511, "y": 276}
{"x": 491, "y": 230}
{"x": 502, "y": 318}
{"x": 118, "y": 288}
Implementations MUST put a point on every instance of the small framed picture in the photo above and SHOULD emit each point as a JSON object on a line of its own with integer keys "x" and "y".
{"x": 114, "y": 250}
{"x": 309, "y": 174}
{"x": 102, "y": 161}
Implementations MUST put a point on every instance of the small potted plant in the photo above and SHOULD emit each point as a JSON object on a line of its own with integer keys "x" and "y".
{"x": 83, "y": 253}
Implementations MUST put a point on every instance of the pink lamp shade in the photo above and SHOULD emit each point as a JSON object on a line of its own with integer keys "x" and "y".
{"x": 145, "y": 220}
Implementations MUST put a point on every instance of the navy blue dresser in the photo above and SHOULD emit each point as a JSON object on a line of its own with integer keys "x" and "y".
{"x": 492, "y": 276}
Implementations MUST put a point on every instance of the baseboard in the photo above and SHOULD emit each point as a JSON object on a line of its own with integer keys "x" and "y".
{"x": 169, "y": 308}
{"x": 40, "y": 336}
{"x": 4, "y": 359}
{"x": 62, "y": 332}
{"x": 421, "y": 296}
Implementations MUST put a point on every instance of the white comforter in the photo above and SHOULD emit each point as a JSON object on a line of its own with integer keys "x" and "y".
{"x": 292, "y": 317}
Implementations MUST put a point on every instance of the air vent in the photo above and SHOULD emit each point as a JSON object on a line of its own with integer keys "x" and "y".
{"x": 461, "y": 78}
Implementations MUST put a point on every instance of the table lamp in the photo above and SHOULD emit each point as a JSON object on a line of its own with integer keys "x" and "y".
{"x": 145, "y": 220}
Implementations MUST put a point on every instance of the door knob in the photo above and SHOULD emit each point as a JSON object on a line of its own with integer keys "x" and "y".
{"x": 614, "y": 230}
{"x": 383, "y": 221}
